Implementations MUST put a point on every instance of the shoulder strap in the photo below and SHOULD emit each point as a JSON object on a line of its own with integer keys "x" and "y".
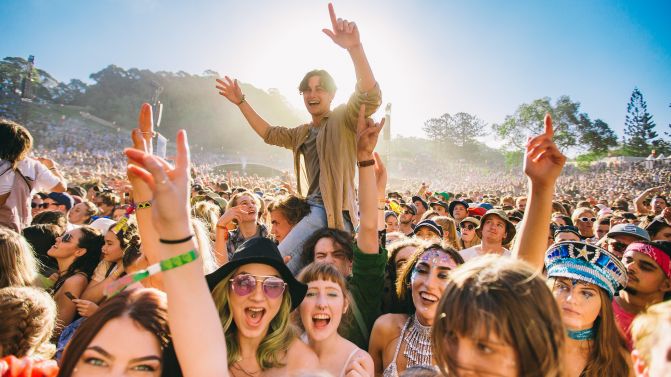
{"x": 361, "y": 324}
{"x": 400, "y": 338}
{"x": 17, "y": 171}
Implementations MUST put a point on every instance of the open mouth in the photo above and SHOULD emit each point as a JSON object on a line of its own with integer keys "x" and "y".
{"x": 321, "y": 320}
{"x": 428, "y": 297}
{"x": 253, "y": 316}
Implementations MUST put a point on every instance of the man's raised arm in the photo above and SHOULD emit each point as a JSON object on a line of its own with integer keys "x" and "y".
{"x": 346, "y": 35}
{"x": 231, "y": 90}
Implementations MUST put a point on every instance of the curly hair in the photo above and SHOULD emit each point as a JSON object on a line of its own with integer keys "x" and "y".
{"x": 28, "y": 320}
{"x": 129, "y": 241}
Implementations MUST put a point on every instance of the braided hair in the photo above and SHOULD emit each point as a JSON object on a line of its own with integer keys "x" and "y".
{"x": 28, "y": 320}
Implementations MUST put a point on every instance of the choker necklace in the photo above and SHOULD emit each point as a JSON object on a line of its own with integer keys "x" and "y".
{"x": 586, "y": 334}
{"x": 418, "y": 344}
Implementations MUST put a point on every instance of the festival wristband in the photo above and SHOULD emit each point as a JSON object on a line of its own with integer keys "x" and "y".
{"x": 119, "y": 285}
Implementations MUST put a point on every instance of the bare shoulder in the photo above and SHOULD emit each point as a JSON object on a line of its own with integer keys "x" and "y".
{"x": 301, "y": 357}
{"x": 390, "y": 324}
{"x": 75, "y": 284}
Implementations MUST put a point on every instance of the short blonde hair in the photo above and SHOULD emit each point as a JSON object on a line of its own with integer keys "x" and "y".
{"x": 645, "y": 328}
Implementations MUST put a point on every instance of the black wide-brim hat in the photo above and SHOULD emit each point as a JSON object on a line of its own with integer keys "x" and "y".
{"x": 264, "y": 251}
{"x": 454, "y": 203}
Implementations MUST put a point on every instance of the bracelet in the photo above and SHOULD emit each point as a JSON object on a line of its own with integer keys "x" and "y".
{"x": 381, "y": 208}
{"x": 242, "y": 100}
{"x": 174, "y": 242}
{"x": 363, "y": 164}
{"x": 167, "y": 264}
{"x": 143, "y": 205}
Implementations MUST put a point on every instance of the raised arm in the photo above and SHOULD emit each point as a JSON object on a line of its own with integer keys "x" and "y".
{"x": 141, "y": 138}
{"x": 639, "y": 207}
{"x": 367, "y": 134}
{"x": 190, "y": 302}
{"x": 231, "y": 90}
{"x": 346, "y": 35}
{"x": 543, "y": 163}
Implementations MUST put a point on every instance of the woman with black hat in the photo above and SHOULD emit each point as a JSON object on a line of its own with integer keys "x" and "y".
{"x": 254, "y": 294}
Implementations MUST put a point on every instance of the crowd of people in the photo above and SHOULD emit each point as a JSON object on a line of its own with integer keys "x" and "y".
{"x": 114, "y": 261}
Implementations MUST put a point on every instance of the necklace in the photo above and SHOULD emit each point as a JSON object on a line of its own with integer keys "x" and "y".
{"x": 586, "y": 334}
{"x": 418, "y": 344}
{"x": 239, "y": 367}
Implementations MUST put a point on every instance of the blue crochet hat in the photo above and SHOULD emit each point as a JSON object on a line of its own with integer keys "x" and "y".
{"x": 588, "y": 263}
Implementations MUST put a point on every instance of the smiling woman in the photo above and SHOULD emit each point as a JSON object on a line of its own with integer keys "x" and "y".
{"x": 254, "y": 294}
{"x": 97, "y": 349}
{"x": 400, "y": 341}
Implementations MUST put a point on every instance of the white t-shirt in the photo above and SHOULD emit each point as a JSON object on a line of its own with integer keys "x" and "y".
{"x": 40, "y": 178}
{"x": 476, "y": 251}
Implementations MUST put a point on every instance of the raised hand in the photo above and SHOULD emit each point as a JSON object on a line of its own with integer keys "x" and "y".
{"x": 543, "y": 162}
{"x": 345, "y": 34}
{"x": 380, "y": 174}
{"x": 231, "y": 90}
{"x": 367, "y": 134}
{"x": 170, "y": 186}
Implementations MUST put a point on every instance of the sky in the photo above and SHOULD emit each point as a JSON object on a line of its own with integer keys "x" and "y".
{"x": 429, "y": 57}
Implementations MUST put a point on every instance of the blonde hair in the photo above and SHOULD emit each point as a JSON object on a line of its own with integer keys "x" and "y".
{"x": 645, "y": 330}
{"x": 28, "y": 320}
{"x": 449, "y": 231}
{"x": 208, "y": 213}
{"x": 277, "y": 339}
{"x": 18, "y": 265}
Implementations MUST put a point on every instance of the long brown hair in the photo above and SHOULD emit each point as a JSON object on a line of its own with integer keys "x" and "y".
{"x": 506, "y": 297}
{"x": 147, "y": 307}
{"x": 607, "y": 353}
{"x": 28, "y": 320}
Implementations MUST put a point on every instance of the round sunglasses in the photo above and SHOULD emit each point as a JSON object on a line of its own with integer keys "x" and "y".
{"x": 467, "y": 226}
{"x": 244, "y": 284}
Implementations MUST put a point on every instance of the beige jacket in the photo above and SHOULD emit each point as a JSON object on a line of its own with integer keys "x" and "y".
{"x": 336, "y": 148}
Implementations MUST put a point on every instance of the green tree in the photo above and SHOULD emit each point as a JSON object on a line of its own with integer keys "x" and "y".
{"x": 595, "y": 136}
{"x": 460, "y": 129}
{"x": 528, "y": 120}
{"x": 639, "y": 127}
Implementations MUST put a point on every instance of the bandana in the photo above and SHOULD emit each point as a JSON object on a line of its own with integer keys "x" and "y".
{"x": 660, "y": 257}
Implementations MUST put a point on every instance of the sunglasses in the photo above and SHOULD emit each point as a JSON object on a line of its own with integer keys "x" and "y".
{"x": 467, "y": 226}
{"x": 587, "y": 219}
{"x": 244, "y": 284}
{"x": 618, "y": 246}
{"x": 67, "y": 237}
{"x": 39, "y": 205}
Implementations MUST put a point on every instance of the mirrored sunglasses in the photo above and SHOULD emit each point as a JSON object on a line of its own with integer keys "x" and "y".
{"x": 244, "y": 284}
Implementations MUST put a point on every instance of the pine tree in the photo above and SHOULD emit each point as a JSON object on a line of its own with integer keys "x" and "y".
{"x": 639, "y": 126}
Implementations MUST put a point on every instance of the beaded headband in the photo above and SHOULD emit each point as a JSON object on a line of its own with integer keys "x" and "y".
{"x": 588, "y": 263}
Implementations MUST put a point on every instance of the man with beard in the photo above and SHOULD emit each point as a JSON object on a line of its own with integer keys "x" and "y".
{"x": 406, "y": 219}
{"x": 649, "y": 272}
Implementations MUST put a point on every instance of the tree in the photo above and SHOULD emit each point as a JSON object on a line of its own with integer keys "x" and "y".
{"x": 460, "y": 129}
{"x": 595, "y": 136}
{"x": 639, "y": 126}
{"x": 528, "y": 120}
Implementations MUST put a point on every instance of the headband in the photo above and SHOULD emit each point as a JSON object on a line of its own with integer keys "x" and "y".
{"x": 660, "y": 257}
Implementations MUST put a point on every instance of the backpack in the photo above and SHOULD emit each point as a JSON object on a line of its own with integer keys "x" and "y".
{"x": 16, "y": 213}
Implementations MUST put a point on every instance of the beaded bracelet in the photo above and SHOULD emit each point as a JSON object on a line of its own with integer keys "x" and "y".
{"x": 143, "y": 205}
{"x": 167, "y": 264}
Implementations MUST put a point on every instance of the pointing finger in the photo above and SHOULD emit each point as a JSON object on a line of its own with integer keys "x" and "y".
{"x": 548, "y": 125}
{"x": 334, "y": 21}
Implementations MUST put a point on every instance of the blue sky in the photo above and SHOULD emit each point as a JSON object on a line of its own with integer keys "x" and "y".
{"x": 430, "y": 57}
